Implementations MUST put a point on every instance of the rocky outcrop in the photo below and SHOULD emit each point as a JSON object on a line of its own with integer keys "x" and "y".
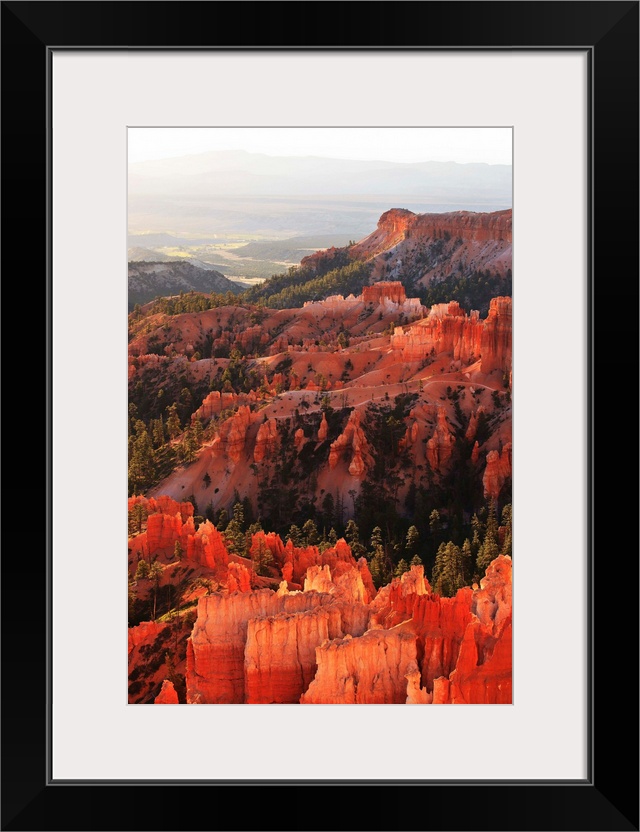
{"x": 332, "y": 644}
{"x": 465, "y": 643}
{"x": 267, "y": 441}
{"x": 168, "y": 694}
{"x": 162, "y": 532}
{"x": 215, "y": 650}
{"x": 144, "y": 633}
{"x": 280, "y": 653}
{"x": 497, "y": 471}
{"x": 446, "y": 329}
{"x": 466, "y": 338}
{"x": 271, "y": 542}
{"x": 350, "y": 585}
{"x": 440, "y": 446}
{"x": 371, "y": 669}
{"x": 295, "y": 562}
{"x": 352, "y": 447}
{"x": 145, "y": 643}
{"x": 238, "y": 578}
{"x": 440, "y": 625}
{"x": 323, "y": 430}
{"x": 260, "y": 646}
{"x": 204, "y": 546}
{"x": 395, "y": 602}
{"x": 299, "y": 439}
{"x": 483, "y": 671}
{"x": 416, "y": 695}
{"x": 231, "y": 438}
{"x": 472, "y": 427}
{"x": 216, "y": 402}
{"x": 399, "y": 224}
{"x": 161, "y": 505}
{"x": 496, "y": 342}
{"x": 384, "y": 290}
{"x": 207, "y": 547}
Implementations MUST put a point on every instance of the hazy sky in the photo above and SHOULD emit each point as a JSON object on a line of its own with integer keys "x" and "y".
{"x": 390, "y": 144}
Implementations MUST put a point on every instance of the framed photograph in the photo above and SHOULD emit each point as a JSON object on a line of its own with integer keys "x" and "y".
{"x": 475, "y": 153}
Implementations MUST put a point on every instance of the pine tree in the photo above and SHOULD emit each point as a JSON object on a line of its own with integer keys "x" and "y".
{"x": 412, "y": 539}
{"x": 177, "y": 551}
{"x": 234, "y": 538}
{"x": 378, "y": 567}
{"x": 401, "y": 568}
{"x": 508, "y": 543}
{"x": 328, "y": 510}
{"x": 333, "y": 537}
{"x": 142, "y": 570}
{"x": 487, "y": 553}
{"x": 174, "y": 427}
{"x": 490, "y": 549}
{"x": 352, "y": 536}
{"x": 131, "y": 599}
{"x": 448, "y": 572}
{"x": 189, "y": 447}
{"x": 261, "y": 558}
{"x": 295, "y": 535}
{"x": 141, "y": 463}
{"x": 352, "y": 533}
{"x": 416, "y": 560}
{"x": 310, "y": 533}
{"x": 254, "y": 528}
{"x": 196, "y": 431}
{"x": 477, "y": 527}
{"x": 438, "y": 569}
{"x": 185, "y": 403}
{"x": 476, "y": 543}
{"x": 223, "y": 520}
{"x": 238, "y": 514}
{"x": 434, "y": 521}
{"x": 491, "y": 529}
{"x": 376, "y": 538}
{"x": 158, "y": 432}
{"x": 467, "y": 559}
{"x": 506, "y": 521}
{"x": 137, "y": 516}
{"x": 155, "y": 573}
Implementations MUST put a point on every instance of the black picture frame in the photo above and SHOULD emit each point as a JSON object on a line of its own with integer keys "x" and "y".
{"x": 608, "y": 798}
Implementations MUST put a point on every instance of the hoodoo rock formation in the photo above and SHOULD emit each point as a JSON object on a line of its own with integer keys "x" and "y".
{"x": 267, "y": 441}
{"x": 168, "y": 694}
{"x": 260, "y": 646}
{"x": 204, "y": 546}
{"x": 447, "y": 329}
{"x": 352, "y": 447}
{"x": 216, "y": 402}
{"x": 230, "y": 441}
{"x": 332, "y": 644}
{"x": 495, "y": 346}
{"x": 483, "y": 669}
{"x": 384, "y": 290}
{"x": 367, "y": 670}
{"x": 497, "y": 472}
{"x": 440, "y": 445}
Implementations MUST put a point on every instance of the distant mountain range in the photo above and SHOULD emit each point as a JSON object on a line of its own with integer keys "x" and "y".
{"x": 148, "y": 280}
{"x": 235, "y": 192}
